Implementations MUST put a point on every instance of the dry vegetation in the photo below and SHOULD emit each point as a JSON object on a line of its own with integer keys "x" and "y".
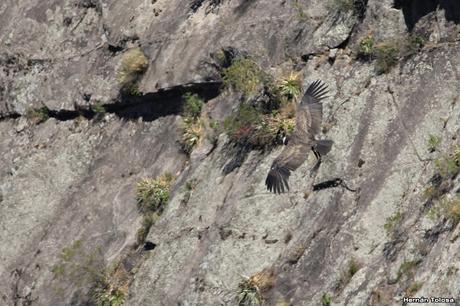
{"x": 133, "y": 64}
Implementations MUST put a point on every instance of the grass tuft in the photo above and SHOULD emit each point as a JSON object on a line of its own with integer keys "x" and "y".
{"x": 290, "y": 86}
{"x": 407, "y": 268}
{"x": 153, "y": 193}
{"x": 133, "y": 64}
{"x": 352, "y": 267}
{"x": 366, "y": 48}
{"x": 301, "y": 11}
{"x": 446, "y": 207}
{"x": 392, "y": 223}
{"x": 448, "y": 166}
{"x": 192, "y": 133}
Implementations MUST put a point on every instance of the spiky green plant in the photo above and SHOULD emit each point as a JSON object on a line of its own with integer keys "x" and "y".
{"x": 290, "y": 86}
{"x": 148, "y": 220}
{"x": 153, "y": 193}
{"x": 192, "y": 133}
{"x": 452, "y": 209}
{"x": 433, "y": 143}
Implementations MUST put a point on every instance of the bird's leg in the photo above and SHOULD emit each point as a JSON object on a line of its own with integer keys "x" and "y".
{"x": 314, "y": 170}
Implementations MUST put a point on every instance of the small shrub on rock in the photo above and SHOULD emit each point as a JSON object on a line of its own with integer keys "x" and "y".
{"x": 366, "y": 48}
{"x": 192, "y": 105}
{"x": 133, "y": 64}
{"x": 244, "y": 75}
{"x": 326, "y": 299}
{"x": 386, "y": 57}
{"x": 241, "y": 123}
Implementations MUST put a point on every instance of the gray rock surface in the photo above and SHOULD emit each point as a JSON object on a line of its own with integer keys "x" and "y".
{"x": 68, "y": 183}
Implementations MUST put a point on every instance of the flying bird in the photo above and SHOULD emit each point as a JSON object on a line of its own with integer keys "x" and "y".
{"x": 309, "y": 115}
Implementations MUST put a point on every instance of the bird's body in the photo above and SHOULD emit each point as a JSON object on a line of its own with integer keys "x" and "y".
{"x": 309, "y": 115}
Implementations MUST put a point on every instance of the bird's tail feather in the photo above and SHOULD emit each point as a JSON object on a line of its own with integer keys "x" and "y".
{"x": 323, "y": 146}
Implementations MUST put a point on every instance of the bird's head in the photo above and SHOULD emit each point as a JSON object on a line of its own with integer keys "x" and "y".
{"x": 282, "y": 138}
{"x": 285, "y": 140}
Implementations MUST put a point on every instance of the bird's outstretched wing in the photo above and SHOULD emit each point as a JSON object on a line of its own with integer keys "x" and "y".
{"x": 310, "y": 111}
{"x": 277, "y": 178}
{"x": 291, "y": 158}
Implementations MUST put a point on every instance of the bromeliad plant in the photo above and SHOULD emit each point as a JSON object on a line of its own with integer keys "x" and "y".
{"x": 192, "y": 134}
{"x": 290, "y": 86}
{"x": 153, "y": 193}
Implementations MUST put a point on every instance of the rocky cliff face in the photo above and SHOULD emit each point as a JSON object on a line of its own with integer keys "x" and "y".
{"x": 76, "y": 136}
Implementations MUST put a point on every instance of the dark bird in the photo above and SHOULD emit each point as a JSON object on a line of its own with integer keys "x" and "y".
{"x": 309, "y": 115}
